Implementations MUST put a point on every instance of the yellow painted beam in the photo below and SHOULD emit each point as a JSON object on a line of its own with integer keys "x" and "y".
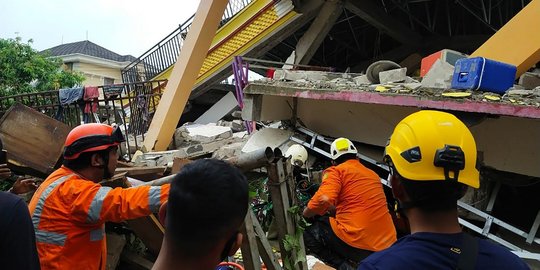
{"x": 255, "y": 23}
{"x": 184, "y": 74}
{"x": 518, "y": 41}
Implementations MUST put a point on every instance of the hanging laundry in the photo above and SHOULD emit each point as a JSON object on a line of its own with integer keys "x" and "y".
{"x": 112, "y": 90}
{"x": 70, "y": 95}
{"x": 91, "y": 95}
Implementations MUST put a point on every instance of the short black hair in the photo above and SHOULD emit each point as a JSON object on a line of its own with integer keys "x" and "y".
{"x": 433, "y": 196}
{"x": 345, "y": 157}
{"x": 83, "y": 160}
{"x": 208, "y": 201}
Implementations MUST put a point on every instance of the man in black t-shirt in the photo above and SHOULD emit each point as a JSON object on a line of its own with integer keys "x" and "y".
{"x": 17, "y": 237}
{"x": 432, "y": 161}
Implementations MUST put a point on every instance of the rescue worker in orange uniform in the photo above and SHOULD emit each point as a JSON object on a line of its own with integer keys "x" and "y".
{"x": 360, "y": 222}
{"x": 70, "y": 208}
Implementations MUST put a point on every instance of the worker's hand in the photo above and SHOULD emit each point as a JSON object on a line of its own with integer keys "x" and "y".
{"x": 331, "y": 211}
{"x": 5, "y": 172}
{"x": 24, "y": 185}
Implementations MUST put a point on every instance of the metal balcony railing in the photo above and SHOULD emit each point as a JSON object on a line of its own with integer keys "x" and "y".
{"x": 130, "y": 105}
{"x": 165, "y": 53}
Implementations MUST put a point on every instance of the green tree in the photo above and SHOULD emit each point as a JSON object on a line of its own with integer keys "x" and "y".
{"x": 25, "y": 70}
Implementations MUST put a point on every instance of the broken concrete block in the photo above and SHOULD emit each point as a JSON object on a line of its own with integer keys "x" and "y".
{"x": 412, "y": 86}
{"x": 393, "y": 75}
{"x": 229, "y": 150}
{"x": 240, "y": 135}
{"x": 200, "y": 149}
{"x": 238, "y": 126}
{"x": 361, "y": 80}
{"x": 235, "y": 125}
{"x": 529, "y": 80}
{"x": 439, "y": 76}
{"x": 296, "y": 75}
{"x": 237, "y": 114}
{"x": 411, "y": 80}
{"x": 208, "y": 133}
{"x": 179, "y": 137}
{"x": 375, "y": 68}
{"x": 134, "y": 142}
{"x": 165, "y": 158}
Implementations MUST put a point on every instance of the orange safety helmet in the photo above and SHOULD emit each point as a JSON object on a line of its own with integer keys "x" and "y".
{"x": 91, "y": 137}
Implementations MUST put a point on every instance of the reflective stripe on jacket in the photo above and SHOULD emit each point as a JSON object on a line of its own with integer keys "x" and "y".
{"x": 69, "y": 214}
{"x": 362, "y": 219}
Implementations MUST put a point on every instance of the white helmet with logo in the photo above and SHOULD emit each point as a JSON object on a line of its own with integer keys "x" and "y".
{"x": 341, "y": 146}
{"x": 298, "y": 154}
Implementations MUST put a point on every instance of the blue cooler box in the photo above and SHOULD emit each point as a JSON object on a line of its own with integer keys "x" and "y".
{"x": 483, "y": 74}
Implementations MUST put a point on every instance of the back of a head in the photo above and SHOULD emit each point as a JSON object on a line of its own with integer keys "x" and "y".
{"x": 434, "y": 155}
{"x": 208, "y": 202}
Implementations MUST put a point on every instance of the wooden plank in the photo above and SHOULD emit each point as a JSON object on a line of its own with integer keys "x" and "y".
{"x": 291, "y": 185}
{"x": 136, "y": 261}
{"x": 178, "y": 164}
{"x": 118, "y": 180}
{"x": 32, "y": 139}
{"x": 265, "y": 249}
{"x": 123, "y": 164}
{"x": 250, "y": 251}
{"x": 278, "y": 207}
{"x": 279, "y": 177}
{"x": 148, "y": 229}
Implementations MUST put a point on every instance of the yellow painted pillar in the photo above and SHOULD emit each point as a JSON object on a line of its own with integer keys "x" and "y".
{"x": 518, "y": 41}
{"x": 184, "y": 74}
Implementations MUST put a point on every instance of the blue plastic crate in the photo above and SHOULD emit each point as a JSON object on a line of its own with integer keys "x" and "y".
{"x": 483, "y": 74}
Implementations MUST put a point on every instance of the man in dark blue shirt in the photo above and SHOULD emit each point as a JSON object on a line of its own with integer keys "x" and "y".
{"x": 432, "y": 160}
{"x": 17, "y": 236}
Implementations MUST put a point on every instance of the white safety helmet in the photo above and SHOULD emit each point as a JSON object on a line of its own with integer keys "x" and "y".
{"x": 298, "y": 154}
{"x": 341, "y": 146}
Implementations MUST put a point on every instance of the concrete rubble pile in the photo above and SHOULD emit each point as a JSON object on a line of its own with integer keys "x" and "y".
{"x": 434, "y": 85}
{"x": 196, "y": 140}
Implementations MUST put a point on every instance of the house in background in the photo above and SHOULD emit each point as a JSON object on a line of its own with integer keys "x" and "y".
{"x": 99, "y": 65}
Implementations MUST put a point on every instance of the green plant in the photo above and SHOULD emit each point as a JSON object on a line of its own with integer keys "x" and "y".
{"x": 292, "y": 243}
{"x": 25, "y": 70}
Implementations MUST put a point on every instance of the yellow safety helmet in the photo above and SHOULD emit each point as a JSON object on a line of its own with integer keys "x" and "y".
{"x": 433, "y": 145}
{"x": 342, "y": 146}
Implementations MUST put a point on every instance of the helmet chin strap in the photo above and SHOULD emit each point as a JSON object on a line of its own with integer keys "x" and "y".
{"x": 106, "y": 173}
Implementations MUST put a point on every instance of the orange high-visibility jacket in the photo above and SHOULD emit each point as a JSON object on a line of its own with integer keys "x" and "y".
{"x": 69, "y": 215}
{"x": 362, "y": 219}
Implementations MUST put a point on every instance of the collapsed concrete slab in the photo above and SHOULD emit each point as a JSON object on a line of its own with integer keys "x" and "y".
{"x": 194, "y": 150}
{"x": 208, "y": 133}
{"x": 200, "y": 133}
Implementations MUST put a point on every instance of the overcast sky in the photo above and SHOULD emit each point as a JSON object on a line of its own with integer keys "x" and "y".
{"x": 122, "y": 26}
